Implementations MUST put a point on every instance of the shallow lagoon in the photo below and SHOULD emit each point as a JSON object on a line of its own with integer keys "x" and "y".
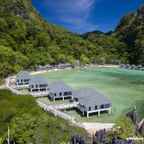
{"x": 125, "y": 88}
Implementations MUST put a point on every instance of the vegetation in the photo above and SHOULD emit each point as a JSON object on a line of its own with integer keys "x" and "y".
{"x": 127, "y": 40}
{"x": 26, "y": 40}
{"x": 131, "y": 31}
{"x": 112, "y": 49}
{"x": 29, "y": 124}
{"x": 126, "y": 127}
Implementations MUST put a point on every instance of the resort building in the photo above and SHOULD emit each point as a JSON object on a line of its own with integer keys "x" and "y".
{"x": 59, "y": 90}
{"x": 90, "y": 102}
{"x": 38, "y": 84}
{"x": 22, "y": 79}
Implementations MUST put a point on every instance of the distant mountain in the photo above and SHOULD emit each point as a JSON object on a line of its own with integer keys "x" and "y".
{"x": 131, "y": 31}
{"x": 93, "y": 34}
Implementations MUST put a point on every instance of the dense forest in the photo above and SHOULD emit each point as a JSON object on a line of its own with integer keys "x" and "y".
{"x": 26, "y": 40}
{"x": 131, "y": 31}
{"x": 29, "y": 124}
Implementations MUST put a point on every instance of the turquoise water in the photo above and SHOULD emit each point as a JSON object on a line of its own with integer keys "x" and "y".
{"x": 125, "y": 88}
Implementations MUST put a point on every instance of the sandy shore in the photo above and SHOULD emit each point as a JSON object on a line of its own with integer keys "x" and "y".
{"x": 89, "y": 66}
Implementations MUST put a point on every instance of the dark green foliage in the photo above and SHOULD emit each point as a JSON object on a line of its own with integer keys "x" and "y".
{"x": 29, "y": 124}
{"x": 11, "y": 61}
{"x": 131, "y": 31}
{"x": 36, "y": 42}
{"x": 24, "y": 34}
{"x": 111, "y": 49}
{"x": 126, "y": 43}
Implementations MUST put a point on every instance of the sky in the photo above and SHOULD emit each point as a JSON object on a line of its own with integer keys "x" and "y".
{"x": 82, "y": 16}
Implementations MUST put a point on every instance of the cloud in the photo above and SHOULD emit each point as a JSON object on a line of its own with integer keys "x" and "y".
{"x": 73, "y": 13}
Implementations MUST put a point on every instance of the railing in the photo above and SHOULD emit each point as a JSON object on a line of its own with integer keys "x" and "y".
{"x": 66, "y": 106}
{"x": 39, "y": 94}
{"x": 50, "y": 108}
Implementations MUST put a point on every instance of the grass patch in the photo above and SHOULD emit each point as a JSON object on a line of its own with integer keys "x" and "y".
{"x": 29, "y": 124}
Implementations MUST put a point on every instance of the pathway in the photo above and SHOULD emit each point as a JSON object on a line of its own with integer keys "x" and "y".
{"x": 91, "y": 128}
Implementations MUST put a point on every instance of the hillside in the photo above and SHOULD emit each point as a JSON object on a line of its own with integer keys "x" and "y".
{"x": 131, "y": 31}
{"x": 26, "y": 40}
{"x": 112, "y": 48}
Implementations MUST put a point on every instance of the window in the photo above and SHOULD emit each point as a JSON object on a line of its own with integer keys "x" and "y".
{"x": 43, "y": 89}
{"x": 60, "y": 94}
{"x": 89, "y": 108}
{"x": 102, "y": 106}
{"x": 65, "y": 93}
{"x": 54, "y": 94}
{"x": 96, "y": 107}
{"x": 69, "y": 93}
{"x": 107, "y": 105}
{"x": 76, "y": 99}
{"x": 43, "y": 85}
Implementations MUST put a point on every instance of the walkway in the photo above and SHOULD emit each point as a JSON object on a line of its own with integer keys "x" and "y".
{"x": 91, "y": 128}
{"x": 9, "y": 86}
{"x": 56, "y": 112}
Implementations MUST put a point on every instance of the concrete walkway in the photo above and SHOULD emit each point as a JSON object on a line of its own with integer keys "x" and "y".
{"x": 90, "y": 127}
